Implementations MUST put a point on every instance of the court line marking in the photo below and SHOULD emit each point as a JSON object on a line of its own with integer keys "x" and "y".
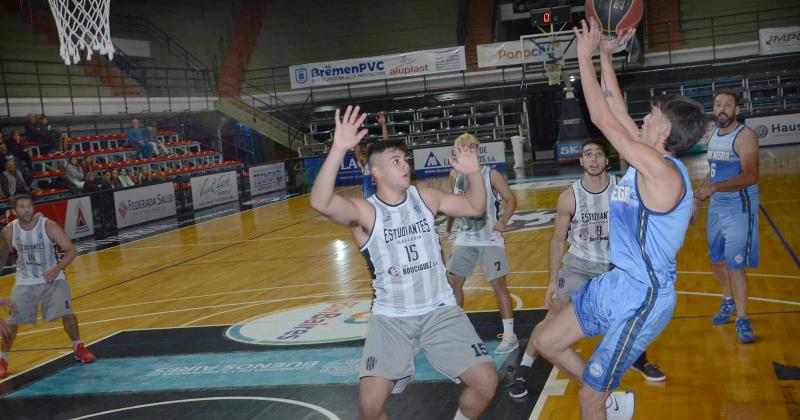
{"x": 780, "y": 276}
{"x": 217, "y": 294}
{"x": 55, "y": 358}
{"x": 321, "y": 410}
{"x": 780, "y": 236}
{"x": 517, "y": 300}
{"x": 240, "y": 212}
{"x": 331, "y": 294}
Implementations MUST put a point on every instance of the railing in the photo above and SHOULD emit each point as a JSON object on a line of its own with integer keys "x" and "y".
{"x": 52, "y": 79}
{"x": 716, "y": 31}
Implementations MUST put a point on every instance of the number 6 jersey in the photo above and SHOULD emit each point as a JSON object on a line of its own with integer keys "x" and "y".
{"x": 404, "y": 255}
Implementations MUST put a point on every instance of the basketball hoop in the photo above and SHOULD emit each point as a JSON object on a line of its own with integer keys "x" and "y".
{"x": 82, "y": 25}
{"x": 553, "y": 71}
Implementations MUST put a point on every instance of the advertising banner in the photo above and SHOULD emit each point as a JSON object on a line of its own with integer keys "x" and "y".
{"x": 436, "y": 160}
{"x": 210, "y": 190}
{"x": 267, "y": 178}
{"x": 779, "y": 40}
{"x": 511, "y": 53}
{"x": 776, "y": 129}
{"x": 139, "y": 205}
{"x": 73, "y": 215}
{"x": 377, "y": 68}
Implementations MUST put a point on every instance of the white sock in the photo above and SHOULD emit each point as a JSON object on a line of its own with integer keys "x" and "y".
{"x": 508, "y": 326}
{"x": 527, "y": 360}
{"x": 75, "y": 344}
{"x": 4, "y": 355}
{"x": 726, "y": 298}
{"x": 460, "y": 416}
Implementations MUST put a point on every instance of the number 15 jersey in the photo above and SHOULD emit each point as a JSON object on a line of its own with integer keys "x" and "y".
{"x": 404, "y": 255}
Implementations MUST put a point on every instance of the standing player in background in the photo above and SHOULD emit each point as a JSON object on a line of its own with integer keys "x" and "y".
{"x": 650, "y": 211}
{"x": 40, "y": 276}
{"x": 732, "y": 228}
{"x": 367, "y": 183}
{"x": 480, "y": 240}
{"x": 413, "y": 306}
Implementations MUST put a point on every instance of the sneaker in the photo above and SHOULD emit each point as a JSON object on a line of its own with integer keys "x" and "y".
{"x": 620, "y": 405}
{"x": 519, "y": 388}
{"x": 649, "y": 371}
{"x": 744, "y": 331}
{"x": 83, "y": 355}
{"x": 726, "y": 310}
{"x": 3, "y": 368}
{"x": 508, "y": 344}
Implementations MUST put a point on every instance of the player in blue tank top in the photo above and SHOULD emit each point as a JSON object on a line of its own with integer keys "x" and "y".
{"x": 732, "y": 229}
{"x": 650, "y": 211}
{"x": 367, "y": 183}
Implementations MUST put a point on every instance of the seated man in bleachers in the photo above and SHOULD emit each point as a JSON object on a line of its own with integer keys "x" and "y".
{"x": 5, "y": 154}
{"x": 158, "y": 144}
{"x": 91, "y": 184}
{"x": 139, "y": 138}
{"x": 147, "y": 177}
{"x": 33, "y": 129}
{"x": 15, "y": 146}
{"x": 11, "y": 180}
{"x": 50, "y": 138}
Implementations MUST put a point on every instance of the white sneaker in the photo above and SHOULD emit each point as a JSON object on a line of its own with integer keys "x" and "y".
{"x": 619, "y": 405}
{"x": 508, "y": 344}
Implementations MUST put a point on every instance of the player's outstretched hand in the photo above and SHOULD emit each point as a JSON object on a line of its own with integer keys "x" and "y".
{"x": 381, "y": 118}
{"x": 623, "y": 36}
{"x": 466, "y": 159}
{"x": 588, "y": 37}
{"x": 347, "y": 135}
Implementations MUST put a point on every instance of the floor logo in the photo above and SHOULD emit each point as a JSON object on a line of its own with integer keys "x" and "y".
{"x": 535, "y": 219}
{"x": 327, "y": 322}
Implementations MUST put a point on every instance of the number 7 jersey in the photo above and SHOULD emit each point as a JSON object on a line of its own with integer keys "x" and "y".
{"x": 404, "y": 255}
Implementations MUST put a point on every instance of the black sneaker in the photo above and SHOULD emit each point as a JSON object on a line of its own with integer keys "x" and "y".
{"x": 519, "y": 388}
{"x": 649, "y": 371}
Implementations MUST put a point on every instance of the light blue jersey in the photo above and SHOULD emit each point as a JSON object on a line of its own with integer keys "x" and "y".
{"x": 724, "y": 163}
{"x": 642, "y": 242}
{"x": 732, "y": 229}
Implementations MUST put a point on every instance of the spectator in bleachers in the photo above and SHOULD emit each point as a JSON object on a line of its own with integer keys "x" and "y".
{"x": 11, "y": 180}
{"x": 63, "y": 143}
{"x": 146, "y": 177}
{"x": 115, "y": 179}
{"x": 33, "y": 129}
{"x": 92, "y": 184}
{"x": 88, "y": 165}
{"x": 15, "y": 146}
{"x": 5, "y": 154}
{"x": 139, "y": 138}
{"x": 106, "y": 182}
{"x": 74, "y": 173}
{"x": 158, "y": 144}
{"x": 125, "y": 181}
{"x": 50, "y": 138}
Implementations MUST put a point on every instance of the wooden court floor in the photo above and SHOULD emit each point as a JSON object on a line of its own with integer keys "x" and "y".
{"x": 284, "y": 255}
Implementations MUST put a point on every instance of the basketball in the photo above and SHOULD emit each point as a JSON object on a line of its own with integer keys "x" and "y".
{"x": 615, "y": 15}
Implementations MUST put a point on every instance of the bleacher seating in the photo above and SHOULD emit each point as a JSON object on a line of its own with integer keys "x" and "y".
{"x": 186, "y": 157}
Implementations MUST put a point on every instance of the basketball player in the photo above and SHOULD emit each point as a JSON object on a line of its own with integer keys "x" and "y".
{"x": 650, "y": 211}
{"x": 414, "y": 306}
{"x": 367, "y": 184}
{"x": 40, "y": 276}
{"x": 480, "y": 240}
{"x": 732, "y": 228}
{"x": 582, "y": 217}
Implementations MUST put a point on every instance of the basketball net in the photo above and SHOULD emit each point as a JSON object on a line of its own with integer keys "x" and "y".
{"x": 553, "y": 69}
{"x": 82, "y": 25}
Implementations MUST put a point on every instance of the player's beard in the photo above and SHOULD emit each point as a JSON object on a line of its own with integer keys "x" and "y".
{"x": 724, "y": 123}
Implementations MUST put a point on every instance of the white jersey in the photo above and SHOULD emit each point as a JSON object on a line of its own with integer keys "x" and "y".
{"x": 403, "y": 252}
{"x": 36, "y": 253}
{"x": 479, "y": 231}
{"x": 588, "y": 232}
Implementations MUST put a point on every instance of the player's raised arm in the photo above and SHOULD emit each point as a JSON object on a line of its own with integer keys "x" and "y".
{"x": 658, "y": 174}
{"x": 609, "y": 82}
{"x": 473, "y": 202}
{"x": 340, "y": 210}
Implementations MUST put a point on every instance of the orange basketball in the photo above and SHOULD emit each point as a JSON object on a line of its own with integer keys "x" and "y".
{"x": 615, "y": 15}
